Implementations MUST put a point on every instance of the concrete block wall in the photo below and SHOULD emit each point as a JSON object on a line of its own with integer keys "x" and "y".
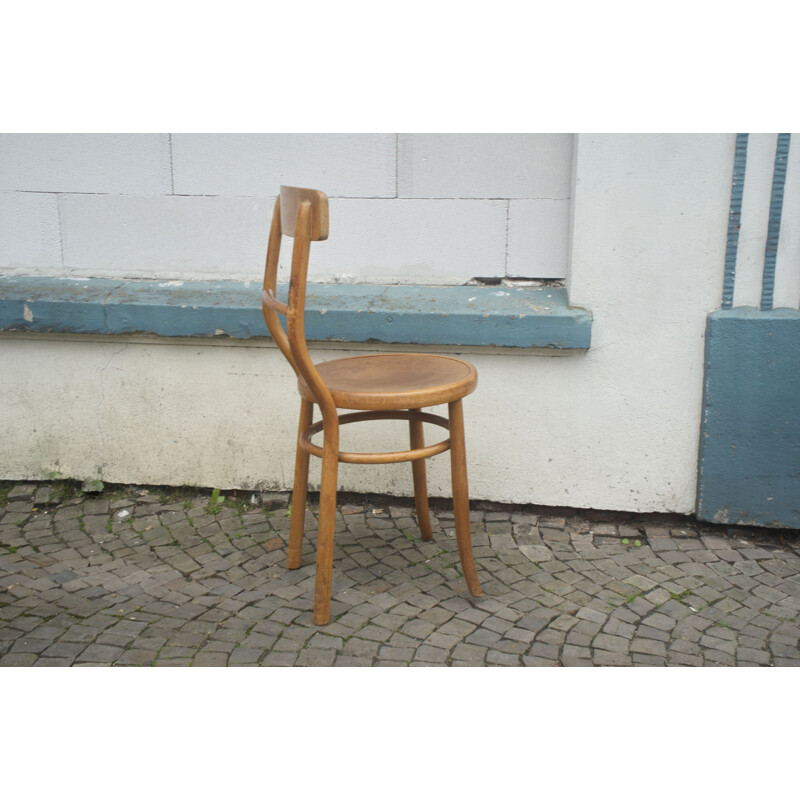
{"x": 405, "y": 208}
{"x": 616, "y": 426}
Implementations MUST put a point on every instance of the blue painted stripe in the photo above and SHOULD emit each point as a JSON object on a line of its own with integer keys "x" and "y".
{"x": 446, "y": 315}
{"x": 774, "y": 227}
{"x": 734, "y": 219}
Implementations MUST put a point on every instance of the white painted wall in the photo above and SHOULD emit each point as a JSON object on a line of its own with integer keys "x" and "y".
{"x": 616, "y": 427}
{"x": 648, "y": 249}
{"x": 406, "y": 208}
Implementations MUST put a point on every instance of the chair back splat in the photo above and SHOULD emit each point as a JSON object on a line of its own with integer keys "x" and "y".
{"x": 384, "y": 386}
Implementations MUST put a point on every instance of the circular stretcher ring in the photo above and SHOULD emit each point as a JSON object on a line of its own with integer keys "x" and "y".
{"x": 380, "y": 458}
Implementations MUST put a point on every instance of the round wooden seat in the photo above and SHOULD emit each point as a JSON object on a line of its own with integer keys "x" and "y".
{"x": 394, "y": 381}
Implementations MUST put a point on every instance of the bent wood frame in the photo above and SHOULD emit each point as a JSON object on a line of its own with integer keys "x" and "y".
{"x": 380, "y": 458}
{"x": 303, "y": 215}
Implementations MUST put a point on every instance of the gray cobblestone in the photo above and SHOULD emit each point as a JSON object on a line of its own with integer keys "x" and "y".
{"x": 605, "y": 658}
{"x": 615, "y": 644}
{"x": 173, "y": 585}
{"x": 648, "y": 646}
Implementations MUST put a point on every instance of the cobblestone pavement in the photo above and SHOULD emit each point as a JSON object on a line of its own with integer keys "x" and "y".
{"x": 137, "y": 577}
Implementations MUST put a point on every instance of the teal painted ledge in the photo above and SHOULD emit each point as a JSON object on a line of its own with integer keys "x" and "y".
{"x": 444, "y": 315}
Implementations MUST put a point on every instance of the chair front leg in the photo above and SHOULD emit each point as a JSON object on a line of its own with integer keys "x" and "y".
{"x": 300, "y": 489}
{"x": 327, "y": 521}
{"x": 420, "y": 482}
{"x": 458, "y": 464}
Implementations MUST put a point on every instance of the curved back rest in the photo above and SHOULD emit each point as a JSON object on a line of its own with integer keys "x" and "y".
{"x": 303, "y": 215}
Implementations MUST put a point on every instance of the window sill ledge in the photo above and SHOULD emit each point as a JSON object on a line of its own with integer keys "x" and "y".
{"x": 471, "y": 316}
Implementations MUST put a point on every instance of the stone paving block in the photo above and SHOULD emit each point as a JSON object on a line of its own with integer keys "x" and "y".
{"x": 646, "y": 660}
{"x": 316, "y": 658}
{"x": 352, "y": 661}
{"x": 279, "y": 659}
{"x": 640, "y": 606}
{"x": 605, "y": 658}
{"x": 615, "y": 644}
{"x": 399, "y": 654}
{"x": 484, "y": 637}
{"x": 79, "y": 634}
{"x": 137, "y": 657}
{"x": 648, "y": 646}
{"x": 469, "y": 652}
{"x": 498, "y": 624}
{"x": 557, "y": 523}
{"x": 592, "y": 615}
{"x": 18, "y": 660}
{"x": 554, "y": 535}
{"x": 101, "y": 653}
{"x": 718, "y": 645}
{"x": 500, "y": 659}
{"x": 30, "y": 645}
{"x": 786, "y": 662}
{"x": 245, "y": 655}
{"x": 536, "y": 553}
{"x": 641, "y": 582}
{"x": 661, "y": 621}
{"x": 646, "y": 632}
{"x": 661, "y": 544}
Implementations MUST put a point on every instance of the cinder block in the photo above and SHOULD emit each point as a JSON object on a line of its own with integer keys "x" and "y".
{"x": 115, "y": 163}
{"x": 29, "y": 237}
{"x": 371, "y": 241}
{"x": 538, "y": 238}
{"x": 256, "y": 164}
{"x": 485, "y": 165}
{"x": 171, "y": 237}
{"x": 409, "y": 241}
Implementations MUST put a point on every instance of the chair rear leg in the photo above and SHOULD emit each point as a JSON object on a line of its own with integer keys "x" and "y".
{"x": 420, "y": 483}
{"x": 458, "y": 464}
{"x": 327, "y": 525}
{"x": 300, "y": 490}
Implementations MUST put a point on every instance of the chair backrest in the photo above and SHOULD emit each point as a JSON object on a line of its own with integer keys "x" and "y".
{"x": 303, "y": 215}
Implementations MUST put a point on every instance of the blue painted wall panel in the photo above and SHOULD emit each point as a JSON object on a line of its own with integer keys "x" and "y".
{"x": 750, "y": 435}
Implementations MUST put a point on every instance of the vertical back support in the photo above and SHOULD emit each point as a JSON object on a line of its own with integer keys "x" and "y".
{"x": 291, "y": 197}
{"x": 303, "y": 215}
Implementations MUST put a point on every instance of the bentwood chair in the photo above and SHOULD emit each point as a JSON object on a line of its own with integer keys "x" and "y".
{"x": 386, "y": 386}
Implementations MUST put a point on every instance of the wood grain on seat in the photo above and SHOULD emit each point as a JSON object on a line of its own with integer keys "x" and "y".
{"x": 394, "y": 380}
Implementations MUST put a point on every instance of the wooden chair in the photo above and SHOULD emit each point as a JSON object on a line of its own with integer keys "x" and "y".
{"x": 387, "y": 386}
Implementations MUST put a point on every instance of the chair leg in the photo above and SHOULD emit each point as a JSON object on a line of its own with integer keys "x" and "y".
{"x": 420, "y": 483}
{"x": 458, "y": 464}
{"x": 300, "y": 490}
{"x": 327, "y": 524}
